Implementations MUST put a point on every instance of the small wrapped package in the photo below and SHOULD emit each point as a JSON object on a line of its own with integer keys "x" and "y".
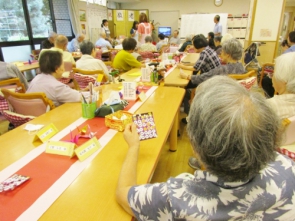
{"x": 118, "y": 120}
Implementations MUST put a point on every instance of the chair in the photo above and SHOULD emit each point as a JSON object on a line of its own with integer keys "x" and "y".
{"x": 267, "y": 68}
{"x": 246, "y": 80}
{"x": 242, "y": 76}
{"x": 25, "y": 107}
{"x": 84, "y": 77}
{"x": 288, "y": 141}
{"x": 13, "y": 84}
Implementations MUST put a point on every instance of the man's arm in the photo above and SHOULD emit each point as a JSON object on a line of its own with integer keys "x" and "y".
{"x": 127, "y": 177}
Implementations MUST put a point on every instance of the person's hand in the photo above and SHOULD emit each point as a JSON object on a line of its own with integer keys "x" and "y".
{"x": 131, "y": 136}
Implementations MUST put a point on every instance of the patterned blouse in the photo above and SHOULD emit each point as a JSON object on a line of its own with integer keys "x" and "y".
{"x": 270, "y": 195}
{"x": 230, "y": 68}
{"x": 207, "y": 61}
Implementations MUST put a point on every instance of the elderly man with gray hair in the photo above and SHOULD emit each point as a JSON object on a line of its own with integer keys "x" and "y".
{"x": 188, "y": 41}
{"x": 244, "y": 177}
{"x": 103, "y": 43}
{"x": 74, "y": 44}
{"x": 148, "y": 45}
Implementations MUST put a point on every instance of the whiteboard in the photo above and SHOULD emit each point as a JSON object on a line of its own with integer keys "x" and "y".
{"x": 201, "y": 24}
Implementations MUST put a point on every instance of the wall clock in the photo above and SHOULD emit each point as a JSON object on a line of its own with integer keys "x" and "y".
{"x": 218, "y": 2}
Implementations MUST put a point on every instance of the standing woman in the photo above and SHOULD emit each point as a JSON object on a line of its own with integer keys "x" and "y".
{"x": 105, "y": 29}
{"x": 133, "y": 31}
{"x": 144, "y": 28}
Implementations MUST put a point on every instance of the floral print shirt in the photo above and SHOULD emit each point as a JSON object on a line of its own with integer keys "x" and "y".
{"x": 270, "y": 195}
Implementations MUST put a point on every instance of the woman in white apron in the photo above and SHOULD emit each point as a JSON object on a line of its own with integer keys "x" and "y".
{"x": 144, "y": 28}
{"x": 105, "y": 29}
{"x": 134, "y": 31}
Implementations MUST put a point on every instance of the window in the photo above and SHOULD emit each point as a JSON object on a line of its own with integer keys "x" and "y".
{"x": 12, "y": 21}
{"x": 40, "y": 18}
{"x": 28, "y": 23}
{"x": 99, "y": 2}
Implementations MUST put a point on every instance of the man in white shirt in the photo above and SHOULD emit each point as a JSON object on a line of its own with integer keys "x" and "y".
{"x": 74, "y": 44}
{"x": 175, "y": 40}
{"x": 103, "y": 43}
{"x": 88, "y": 60}
{"x": 161, "y": 42}
{"x": 218, "y": 27}
{"x": 60, "y": 45}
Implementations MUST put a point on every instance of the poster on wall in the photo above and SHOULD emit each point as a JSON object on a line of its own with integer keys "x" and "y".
{"x": 82, "y": 15}
{"x": 110, "y": 15}
{"x": 120, "y": 15}
{"x": 83, "y": 29}
{"x": 130, "y": 15}
{"x": 142, "y": 11}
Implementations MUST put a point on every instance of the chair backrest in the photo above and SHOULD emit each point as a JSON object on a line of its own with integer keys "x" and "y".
{"x": 13, "y": 83}
{"x": 243, "y": 76}
{"x": 83, "y": 77}
{"x": 33, "y": 104}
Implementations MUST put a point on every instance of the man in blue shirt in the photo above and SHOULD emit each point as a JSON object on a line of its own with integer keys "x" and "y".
{"x": 291, "y": 42}
{"x": 218, "y": 27}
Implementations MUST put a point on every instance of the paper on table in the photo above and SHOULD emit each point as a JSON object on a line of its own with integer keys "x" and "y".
{"x": 33, "y": 127}
{"x": 136, "y": 74}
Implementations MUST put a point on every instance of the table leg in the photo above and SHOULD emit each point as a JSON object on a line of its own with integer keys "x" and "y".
{"x": 173, "y": 134}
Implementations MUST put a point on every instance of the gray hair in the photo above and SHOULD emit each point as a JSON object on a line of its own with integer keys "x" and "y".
{"x": 189, "y": 37}
{"x": 285, "y": 71}
{"x": 229, "y": 130}
{"x": 148, "y": 39}
{"x": 226, "y": 37}
{"x": 86, "y": 47}
{"x": 234, "y": 48}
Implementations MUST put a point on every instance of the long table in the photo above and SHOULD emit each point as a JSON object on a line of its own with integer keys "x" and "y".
{"x": 28, "y": 67}
{"x": 92, "y": 195}
{"x": 173, "y": 78}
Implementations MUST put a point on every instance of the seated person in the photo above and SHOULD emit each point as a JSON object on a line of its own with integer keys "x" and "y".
{"x": 238, "y": 183}
{"x": 60, "y": 45}
{"x": 188, "y": 41}
{"x": 208, "y": 58}
{"x": 161, "y": 42}
{"x": 48, "y": 43}
{"x": 88, "y": 60}
{"x": 266, "y": 81}
{"x": 52, "y": 68}
{"x": 8, "y": 71}
{"x": 124, "y": 60}
{"x": 175, "y": 39}
{"x": 283, "y": 81}
{"x": 147, "y": 46}
{"x": 74, "y": 44}
{"x": 103, "y": 43}
{"x": 217, "y": 43}
{"x": 211, "y": 40}
{"x": 207, "y": 61}
{"x": 232, "y": 51}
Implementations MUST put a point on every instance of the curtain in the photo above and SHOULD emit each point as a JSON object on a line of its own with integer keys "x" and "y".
{"x": 73, "y": 6}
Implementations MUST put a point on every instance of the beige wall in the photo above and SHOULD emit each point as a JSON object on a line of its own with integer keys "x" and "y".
{"x": 191, "y": 6}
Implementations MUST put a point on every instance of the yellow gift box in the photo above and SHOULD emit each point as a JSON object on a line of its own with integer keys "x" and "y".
{"x": 118, "y": 124}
